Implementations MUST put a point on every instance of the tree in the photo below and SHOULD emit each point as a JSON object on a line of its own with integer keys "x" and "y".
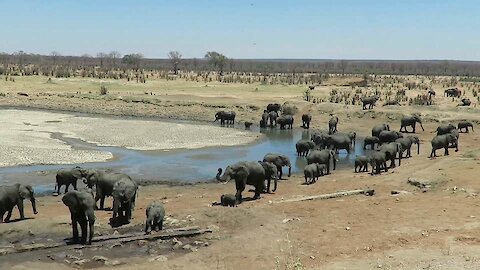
{"x": 85, "y": 58}
{"x": 55, "y": 56}
{"x": 217, "y": 60}
{"x": 175, "y": 58}
{"x": 133, "y": 60}
{"x": 114, "y": 55}
{"x": 343, "y": 66}
{"x": 101, "y": 56}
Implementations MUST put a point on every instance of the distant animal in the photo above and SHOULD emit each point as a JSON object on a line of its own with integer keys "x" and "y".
{"x": 465, "y": 102}
{"x": 391, "y": 103}
{"x": 370, "y": 101}
{"x": 155, "y": 213}
{"x": 279, "y": 160}
{"x": 464, "y": 125}
{"x": 379, "y": 128}
{"x": 225, "y": 117}
{"x": 410, "y": 121}
{"x": 452, "y": 92}
{"x": 272, "y": 117}
{"x": 445, "y": 129}
{"x": 81, "y": 205}
{"x": 228, "y": 200}
{"x": 322, "y": 157}
{"x": 271, "y": 172}
{"x": 387, "y": 136}
{"x": 332, "y": 125}
{"x": 311, "y": 87}
{"x": 306, "y": 119}
{"x": 361, "y": 163}
{"x": 274, "y": 107}
{"x": 378, "y": 161}
{"x": 443, "y": 141}
{"x": 407, "y": 144}
{"x": 124, "y": 195}
{"x": 392, "y": 150}
{"x": 264, "y": 121}
{"x": 285, "y": 121}
{"x": 248, "y": 125}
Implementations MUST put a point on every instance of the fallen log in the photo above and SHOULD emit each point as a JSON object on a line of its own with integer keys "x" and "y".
{"x": 368, "y": 192}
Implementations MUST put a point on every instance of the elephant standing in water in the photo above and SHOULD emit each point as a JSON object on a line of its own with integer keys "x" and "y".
{"x": 67, "y": 177}
{"x": 306, "y": 119}
{"x": 379, "y": 128}
{"x": 264, "y": 121}
{"x": 285, "y": 121}
{"x": 104, "y": 183}
{"x": 464, "y": 125}
{"x": 225, "y": 117}
{"x": 124, "y": 194}
{"x": 272, "y": 116}
{"x": 338, "y": 142}
{"x": 280, "y": 161}
{"x": 443, "y": 141}
{"x": 81, "y": 205}
{"x": 407, "y": 144}
{"x": 410, "y": 121}
{"x": 303, "y": 147}
{"x": 332, "y": 125}
{"x": 11, "y": 196}
{"x": 322, "y": 157}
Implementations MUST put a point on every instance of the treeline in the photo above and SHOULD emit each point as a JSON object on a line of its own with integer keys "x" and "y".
{"x": 114, "y": 60}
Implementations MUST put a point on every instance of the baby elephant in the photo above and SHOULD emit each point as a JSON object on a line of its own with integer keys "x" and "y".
{"x": 313, "y": 171}
{"x": 228, "y": 200}
{"x": 361, "y": 162}
{"x": 155, "y": 214}
{"x": 81, "y": 205}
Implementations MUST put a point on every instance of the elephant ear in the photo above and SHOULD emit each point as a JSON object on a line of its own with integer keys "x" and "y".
{"x": 24, "y": 191}
{"x": 77, "y": 173}
{"x": 241, "y": 172}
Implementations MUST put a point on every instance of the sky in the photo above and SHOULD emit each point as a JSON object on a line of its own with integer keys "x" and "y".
{"x": 287, "y": 29}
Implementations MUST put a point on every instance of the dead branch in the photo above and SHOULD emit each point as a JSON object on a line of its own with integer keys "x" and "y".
{"x": 368, "y": 192}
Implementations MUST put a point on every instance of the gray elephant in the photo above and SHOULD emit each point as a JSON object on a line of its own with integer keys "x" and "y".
{"x": 313, "y": 171}
{"x": 388, "y": 136}
{"x": 444, "y": 129}
{"x": 464, "y": 125}
{"x": 332, "y": 125}
{"x": 410, "y": 121}
{"x": 124, "y": 194}
{"x": 370, "y": 101}
{"x": 370, "y": 140}
{"x": 306, "y": 119}
{"x": 319, "y": 138}
{"x": 392, "y": 150}
{"x": 280, "y": 161}
{"x": 271, "y": 171}
{"x": 81, "y": 205}
{"x": 67, "y": 177}
{"x": 452, "y": 92}
{"x": 361, "y": 163}
{"x": 443, "y": 141}
{"x": 378, "y": 161}
{"x": 274, "y": 107}
{"x": 104, "y": 183}
{"x": 303, "y": 147}
{"x": 338, "y": 142}
{"x": 272, "y": 117}
{"x": 155, "y": 213}
{"x": 322, "y": 157}
{"x": 407, "y": 143}
{"x": 379, "y": 128}
{"x": 228, "y": 200}
{"x": 264, "y": 121}
{"x": 244, "y": 173}
{"x": 225, "y": 117}
{"x": 285, "y": 121}
{"x": 11, "y": 196}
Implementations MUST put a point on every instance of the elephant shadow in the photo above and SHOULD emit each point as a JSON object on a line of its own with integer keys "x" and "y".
{"x": 118, "y": 221}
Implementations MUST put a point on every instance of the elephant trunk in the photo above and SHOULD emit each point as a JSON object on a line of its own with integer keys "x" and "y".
{"x": 418, "y": 148}
{"x": 471, "y": 127}
{"x": 116, "y": 204}
{"x": 422, "y": 126}
{"x": 220, "y": 178}
{"x": 289, "y": 168}
{"x": 34, "y": 205}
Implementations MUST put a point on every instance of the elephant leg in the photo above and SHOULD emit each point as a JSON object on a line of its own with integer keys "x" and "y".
{"x": 240, "y": 185}
{"x": 147, "y": 225}
{"x": 102, "y": 202}
{"x": 129, "y": 211}
{"x": 258, "y": 190}
{"x": 160, "y": 224}
{"x": 9, "y": 214}
{"x": 446, "y": 151}
{"x": 20, "y": 209}
{"x": 74, "y": 219}
{"x": 83, "y": 226}
{"x": 66, "y": 187}
{"x": 280, "y": 172}
{"x": 74, "y": 184}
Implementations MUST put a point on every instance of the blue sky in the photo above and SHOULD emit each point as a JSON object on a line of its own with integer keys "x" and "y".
{"x": 368, "y": 29}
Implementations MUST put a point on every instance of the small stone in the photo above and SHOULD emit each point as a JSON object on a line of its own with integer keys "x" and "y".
{"x": 213, "y": 227}
{"x": 347, "y": 228}
{"x": 472, "y": 216}
{"x": 187, "y": 246}
{"x": 112, "y": 263}
{"x": 379, "y": 266}
{"x": 312, "y": 257}
{"x": 115, "y": 232}
{"x": 80, "y": 262}
{"x": 159, "y": 258}
{"x": 31, "y": 233}
{"x": 100, "y": 258}
{"x": 116, "y": 245}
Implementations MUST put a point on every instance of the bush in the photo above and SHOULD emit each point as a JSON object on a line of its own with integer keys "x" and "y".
{"x": 103, "y": 90}
{"x": 289, "y": 108}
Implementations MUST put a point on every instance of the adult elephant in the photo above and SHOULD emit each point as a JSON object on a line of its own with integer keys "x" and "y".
{"x": 306, "y": 119}
{"x": 244, "y": 173}
{"x": 444, "y": 129}
{"x": 443, "y": 141}
{"x": 264, "y": 121}
{"x": 104, "y": 182}
{"x": 407, "y": 144}
{"x": 332, "y": 125}
{"x": 67, "y": 177}
{"x": 410, "y": 121}
{"x": 452, "y": 92}
{"x": 379, "y": 128}
{"x": 225, "y": 117}
{"x": 339, "y": 142}
{"x": 378, "y": 161}
{"x": 124, "y": 194}
{"x": 370, "y": 101}
{"x": 387, "y": 136}
{"x": 370, "y": 140}
{"x": 319, "y": 138}
{"x": 322, "y": 157}
{"x": 274, "y": 107}
{"x": 81, "y": 205}
{"x": 11, "y": 196}
{"x": 303, "y": 147}
{"x": 392, "y": 150}
{"x": 285, "y": 121}
{"x": 271, "y": 172}
{"x": 272, "y": 117}
{"x": 464, "y": 125}
{"x": 280, "y": 161}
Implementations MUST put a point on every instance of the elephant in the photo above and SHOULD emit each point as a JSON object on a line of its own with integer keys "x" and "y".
{"x": 443, "y": 141}
{"x": 464, "y": 125}
{"x": 391, "y": 151}
{"x": 244, "y": 173}
{"x": 465, "y": 102}
{"x": 391, "y": 103}
{"x": 11, "y": 196}
{"x": 285, "y": 121}
{"x": 332, "y": 125}
{"x": 352, "y": 135}
{"x": 67, "y": 177}
{"x": 303, "y": 147}
{"x": 306, "y": 119}
{"x": 322, "y": 157}
{"x": 313, "y": 171}
{"x": 272, "y": 116}
{"x": 228, "y": 200}
{"x": 104, "y": 183}
{"x": 410, "y": 121}
{"x": 370, "y": 140}
{"x": 387, "y": 136}
{"x": 370, "y": 101}
{"x": 378, "y": 161}
{"x": 319, "y": 139}
{"x": 225, "y": 117}
{"x": 264, "y": 121}
{"x": 379, "y": 128}
{"x": 81, "y": 205}
{"x": 271, "y": 171}
{"x": 452, "y": 92}
{"x": 155, "y": 213}
{"x": 361, "y": 163}
{"x": 407, "y": 144}
{"x": 338, "y": 142}
{"x": 280, "y": 161}
{"x": 248, "y": 125}
{"x": 274, "y": 107}
{"x": 444, "y": 129}
{"x": 124, "y": 194}
{"x": 262, "y": 124}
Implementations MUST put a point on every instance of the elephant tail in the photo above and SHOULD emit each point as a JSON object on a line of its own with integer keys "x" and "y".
{"x": 275, "y": 179}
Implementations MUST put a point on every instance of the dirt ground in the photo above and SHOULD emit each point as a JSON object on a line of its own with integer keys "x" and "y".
{"x": 430, "y": 228}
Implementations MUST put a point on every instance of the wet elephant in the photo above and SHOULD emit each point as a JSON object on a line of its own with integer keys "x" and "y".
{"x": 285, "y": 121}
{"x": 306, "y": 119}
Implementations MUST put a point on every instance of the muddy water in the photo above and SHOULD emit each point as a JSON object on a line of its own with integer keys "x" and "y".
{"x": 192, "y": 165}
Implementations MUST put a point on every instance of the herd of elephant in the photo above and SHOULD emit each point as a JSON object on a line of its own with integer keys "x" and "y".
{"x": 82, "y": 204}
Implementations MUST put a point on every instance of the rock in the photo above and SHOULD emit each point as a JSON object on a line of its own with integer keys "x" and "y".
{"x": 400, "y": 192}
{"x": 80, "y": 262}
{"x": 187, "y": 246}
{"x": 159, "y": 258}
{"x": 112, "y": 263}
{"x": 100, "y": 258}
{"x": 116, "y": 245}
{"x": 347, "y": 228}
{"x": 420, "y": 183}
{"x": 71, "y": 257}
{"x": 31, "y": 233}
{"x": 289, "y": 219}
{"x": 115, "y": 232}
{"x": 213, "y": 227}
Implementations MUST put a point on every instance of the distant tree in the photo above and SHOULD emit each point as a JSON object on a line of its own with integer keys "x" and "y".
{"x": 175, "y": 57}
{"x": 343, "y": 66}
{"x": 195, "y": 64}
{"x": 114, "y": 55}
{"x": 102, "y": 56}
{"x": 133, "y": 60}
{"x": 84, "y": 58}
{"x": 55, "y": 55}
{"x": 217, "y": 60}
